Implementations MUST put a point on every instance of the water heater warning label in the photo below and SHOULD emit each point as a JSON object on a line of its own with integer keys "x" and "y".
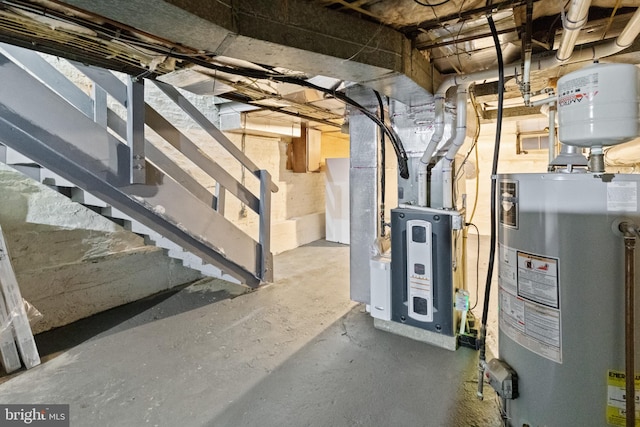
{"x": 616, "y": 399}
{"x": 509, "y": 204}
{"x": 530, "y": 302}
{"x": 622, "y": 196}
{"x": 538, "y": 279}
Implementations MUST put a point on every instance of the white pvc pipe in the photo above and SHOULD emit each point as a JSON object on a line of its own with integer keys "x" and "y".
{"x": 544, "y": 62}
{"x": 574, "y": 20}
{"x": 630, "y": 31}
{"x": 461, "y": 122}
{"x": 549, "y": 100}
{"x": 526, "y": 78}
{"x": 423, "y": 165}
{"x": 552, "y": 135}
{"x": 452, "y": 137}
{"x": 460, "y": 134}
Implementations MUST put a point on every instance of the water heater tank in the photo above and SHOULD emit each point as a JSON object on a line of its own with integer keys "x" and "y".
{"x": 561, "y": 288}
{"x": 599, "y": 105}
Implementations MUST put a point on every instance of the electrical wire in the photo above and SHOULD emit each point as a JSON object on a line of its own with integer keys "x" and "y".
{"x": 401, "y": 154}
{"x": 432, "y": 5}
{"x": 474, "y": 147}
{"x": 248, "y": 73}
{"x": 383, "y": 166}
{"x": 474, "y": 103}
{"x": 494, "y": 171}
{"x": 477, "y": 265}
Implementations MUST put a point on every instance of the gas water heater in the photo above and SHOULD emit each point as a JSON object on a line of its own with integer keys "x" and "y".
{"x": 561, "y": 263}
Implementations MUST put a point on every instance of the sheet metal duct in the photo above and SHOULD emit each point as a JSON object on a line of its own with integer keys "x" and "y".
{"x": 293, "y": 34}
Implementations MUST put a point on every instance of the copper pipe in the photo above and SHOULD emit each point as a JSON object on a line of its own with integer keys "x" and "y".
{"x": 630, "y": 231}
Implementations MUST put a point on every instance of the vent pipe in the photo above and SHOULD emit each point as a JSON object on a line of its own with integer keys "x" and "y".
{"x": 460, "y": 134}
{"x": 601, "y": 50}
{"x": 572, "y": 23}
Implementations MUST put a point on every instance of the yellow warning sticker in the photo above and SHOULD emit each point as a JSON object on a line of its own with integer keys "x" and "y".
{"x": 616, "y": 399}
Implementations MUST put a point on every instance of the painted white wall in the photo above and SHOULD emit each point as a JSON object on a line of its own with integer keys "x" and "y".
{"x": 297, "y": 209}
{"x": 510, "y": 162}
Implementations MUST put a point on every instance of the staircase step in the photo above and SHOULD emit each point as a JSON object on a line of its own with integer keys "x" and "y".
{"x": 50, "y": 178}
{"x": 177, "y": 253}
{"x": 192, "y": 261}
{"x": 12, "y": 157}
{"x": 116, "y": 213}
{"x": 78, "y": 195}
{"x": 136, "y": 227}
{"x": 210, "y": 270}
{"x": 32, "y": 171}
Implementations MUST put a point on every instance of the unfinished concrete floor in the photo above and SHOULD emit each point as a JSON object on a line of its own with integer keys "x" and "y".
{"x": 295, "y": 353}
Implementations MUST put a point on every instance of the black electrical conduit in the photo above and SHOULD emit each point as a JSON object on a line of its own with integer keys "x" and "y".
{"x": 250, "y": 73}
{"x": 383, "y": 167}
{"x": 494, "y": 171}
{"x": 403, "y": 165}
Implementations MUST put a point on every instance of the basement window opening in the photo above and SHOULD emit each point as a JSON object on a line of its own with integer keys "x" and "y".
{"x": 531, "y": 142}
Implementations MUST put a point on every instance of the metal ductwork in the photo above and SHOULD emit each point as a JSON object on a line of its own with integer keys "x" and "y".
{"x": 292, "y": 34}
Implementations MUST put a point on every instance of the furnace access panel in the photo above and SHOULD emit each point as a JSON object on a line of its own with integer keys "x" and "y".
{"x": 421, "y": 269}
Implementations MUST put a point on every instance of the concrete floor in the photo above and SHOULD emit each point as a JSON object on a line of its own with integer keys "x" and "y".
{"x": 295, "y": 353}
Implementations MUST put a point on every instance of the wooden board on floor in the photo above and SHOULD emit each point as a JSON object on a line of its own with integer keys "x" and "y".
{"x": 8, "y": 351}
{"x": 15, "y": 309}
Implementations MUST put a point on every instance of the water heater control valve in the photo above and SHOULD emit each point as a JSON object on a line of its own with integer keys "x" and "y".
{"x": 502, "y": 378}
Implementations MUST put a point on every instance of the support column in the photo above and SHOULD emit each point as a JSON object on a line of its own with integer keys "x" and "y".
{"x": 363, "y": 199}
{"x": 99, "y": 97}
{"x": 135, "y": 129}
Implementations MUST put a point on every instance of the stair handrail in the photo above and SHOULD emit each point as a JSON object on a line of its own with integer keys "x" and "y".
{"x": 225, "y": 181}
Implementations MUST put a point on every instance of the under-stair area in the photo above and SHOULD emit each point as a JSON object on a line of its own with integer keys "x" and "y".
{"x": 98, "y": 151}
